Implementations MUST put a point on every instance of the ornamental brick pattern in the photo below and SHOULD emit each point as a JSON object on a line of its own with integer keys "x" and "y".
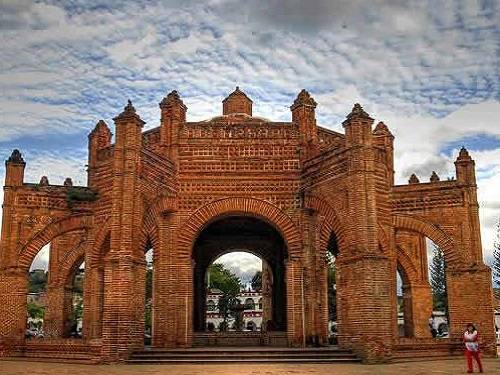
{"x": 171, "y": 187}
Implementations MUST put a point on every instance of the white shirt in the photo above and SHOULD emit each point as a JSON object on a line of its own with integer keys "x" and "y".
{"x": 471, "y": 341}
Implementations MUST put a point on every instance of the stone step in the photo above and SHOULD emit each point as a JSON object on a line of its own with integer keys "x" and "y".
{"x": 246, "y": 355}
{"x": 241, "y": 360}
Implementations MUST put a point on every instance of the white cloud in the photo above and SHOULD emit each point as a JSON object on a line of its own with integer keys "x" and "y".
{"x": 244, "y": 265}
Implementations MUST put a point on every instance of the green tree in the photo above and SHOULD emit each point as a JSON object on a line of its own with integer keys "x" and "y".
{"x": 438, "y": 280}
{"x": 35, "y": 311}
{"x": 332, "y": 290}
{"x": 229, "y": 284}
{"x": 257, "y": 281}
{"x": 223, "y": 279}
{"x": 495, "y": 266}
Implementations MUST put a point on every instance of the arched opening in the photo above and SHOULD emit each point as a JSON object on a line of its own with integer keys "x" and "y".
{"x": 73, "y": 301}
{"x": 331, "y": 256}
{"x": 37, "y": 293}
{"x": 403, "y": 306}
{"x": 234, "y": 284}
{"x": 421, "y": 309}
{"x": 148, "y": 296}
{"x": 236, "y": 233}
{"x": 439, "y": 320}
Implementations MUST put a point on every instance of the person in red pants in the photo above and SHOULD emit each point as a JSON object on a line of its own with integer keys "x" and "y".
{"x": 472, "y": 347}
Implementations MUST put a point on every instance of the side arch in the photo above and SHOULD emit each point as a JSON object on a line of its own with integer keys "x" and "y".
{"x": 28, "y": 251}
{"x": 245, "y": 206}
{"x": 430, "y": 230}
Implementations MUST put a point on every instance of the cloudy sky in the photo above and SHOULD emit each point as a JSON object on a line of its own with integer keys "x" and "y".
{"x": 429, "y": 69}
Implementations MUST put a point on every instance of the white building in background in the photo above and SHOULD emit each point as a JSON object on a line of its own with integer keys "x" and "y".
{"x": 252, "y": 315}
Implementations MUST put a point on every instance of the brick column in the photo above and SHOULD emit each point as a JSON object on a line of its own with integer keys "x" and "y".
{"x": 420, "y": 300}
{"x": 13, "y": 314}
{"x": 93, "y": 301}
{"x": 13, "y": 280}
{"x": 296, "y": 300}
{"x": 54, "y": 319}
{"x": 470, "y": 300}
{"x": 365, "y": 274}
{"x": 124, "y": 269}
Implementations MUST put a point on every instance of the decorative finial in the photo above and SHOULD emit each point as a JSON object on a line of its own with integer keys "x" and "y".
{"x": 237, "y": 88}
{"x": 434, "y": 177}
{"x": 357, "y": 112}
{"x": 172, "y": 97}
{"x": 413, "y": 179}
{"x": 44, "y": 181}
{"x": 16, "y": 157}
{"x": 463, "y": 154}
{"x": 303, "y": 99}
{"x": 129, "y": 113}
{"x": 68, "y": 182}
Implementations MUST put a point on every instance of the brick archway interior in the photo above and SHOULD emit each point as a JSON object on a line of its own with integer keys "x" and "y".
{"x": 240, "y": 233}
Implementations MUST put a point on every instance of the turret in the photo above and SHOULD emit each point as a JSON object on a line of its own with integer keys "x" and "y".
{"x": 237, "y": 102}
{"x": 358, "y": 127}
{"x": 14, "y": 169}
{"x": 173, "y": 116}
{"x": 99, "y": 138}
{"x": 465, "y": 168}
{"x": 128, "y": 126}
{"x": 304, "y": 115}
{"x": 384, "y": 138}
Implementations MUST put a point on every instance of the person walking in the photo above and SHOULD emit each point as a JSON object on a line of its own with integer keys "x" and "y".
{"x": 472, "y": 347}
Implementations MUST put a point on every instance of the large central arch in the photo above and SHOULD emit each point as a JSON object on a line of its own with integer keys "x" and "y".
{"x": 240, "y": 233}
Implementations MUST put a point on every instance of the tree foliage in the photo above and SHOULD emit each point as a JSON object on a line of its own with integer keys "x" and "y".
{"x": 495, "y": 267}
{"x": 230, "y": 285}
{"x": 35, "y": 311}
{"x": 438, "y": 280}
{"x": 223, "y": 279}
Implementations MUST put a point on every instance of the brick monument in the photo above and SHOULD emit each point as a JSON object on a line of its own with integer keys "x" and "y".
{"x": 289, "y": 192}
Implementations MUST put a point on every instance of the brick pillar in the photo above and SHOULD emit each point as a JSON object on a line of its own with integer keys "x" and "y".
{"x": 124, "y": 269}
{"x": 267, "y": 293}
{"x": 369, "y": 295}
{"x": 470, "y": 300}
{"x": 470, "y": 293}
{"x": 54, "y": 319}
{"x": 13, "y": 280}
{"x": 93, "y": 301}
{"x": 420, "y": 299}
{"x": 296, "y": 300}
{"x": 13, "y": 314}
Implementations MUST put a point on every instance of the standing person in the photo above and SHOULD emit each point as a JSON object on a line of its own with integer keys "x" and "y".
{"x": 472, "y": 347}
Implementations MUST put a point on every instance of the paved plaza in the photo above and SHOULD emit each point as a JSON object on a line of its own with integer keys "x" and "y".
{"x": 442, "y": 367}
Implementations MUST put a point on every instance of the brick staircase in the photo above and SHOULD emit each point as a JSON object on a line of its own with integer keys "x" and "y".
{"x": 242, "y": 355}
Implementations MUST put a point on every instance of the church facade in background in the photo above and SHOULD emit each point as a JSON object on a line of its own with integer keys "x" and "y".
{"x": 294, "y": 193}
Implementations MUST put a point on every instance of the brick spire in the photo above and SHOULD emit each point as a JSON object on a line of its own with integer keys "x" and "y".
{"x": 303, "y": 99}
{"x": 357, "y": 112}
{"x": 172, "y": 98}
{"x": 129, "y": 113}
{"x": 15, "y": 158}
